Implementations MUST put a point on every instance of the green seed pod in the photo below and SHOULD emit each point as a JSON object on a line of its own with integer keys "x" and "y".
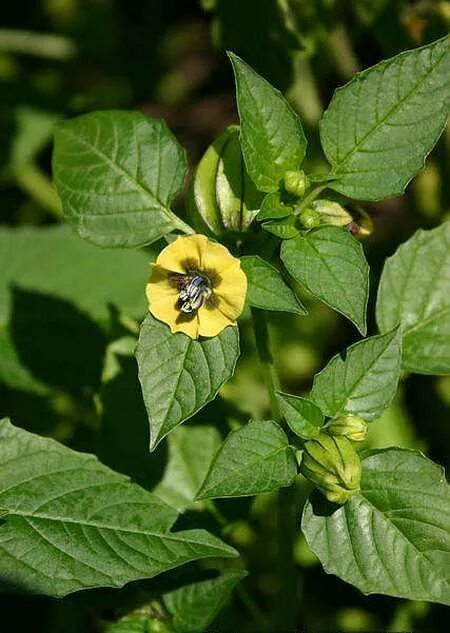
{"x": 333, "y": 465}
{"x": 222, "y": 197}
{"x": 352, "y": 427}
{"x": 331, "y": 212}
{"x": 309, "y": 218}
{"x": 296, "y": 183}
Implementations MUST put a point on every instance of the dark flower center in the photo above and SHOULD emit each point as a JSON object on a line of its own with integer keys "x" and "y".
{"x": 195, "y": 289}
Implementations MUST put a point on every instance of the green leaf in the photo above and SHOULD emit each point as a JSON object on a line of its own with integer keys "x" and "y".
{"x": 414, "y": 292}
{"x": 195, "y": 606}
{"x": 273, "y": 208}
{"x": 267, "y": 288}
{"x": 380, "y": 127}
{"x": 272, "y": 137}
{"x": 88, "y": 278}
{"x": 70, "y": 523}
{"x": 331, "y": 264}
{"x": 303, "y": 416}
{"x": 393, "y": 537}
{"x": 117, "y": 173}
{"x": 253, "y": 459}
{"x": 364, "y": 382}
{"x": 179, "y": 375}
{"x": 191, "y": 451}
{"x": 285, "y": 228}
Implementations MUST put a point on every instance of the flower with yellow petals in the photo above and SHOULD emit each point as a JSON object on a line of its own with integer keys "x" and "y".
{"x": 196, "y": 287}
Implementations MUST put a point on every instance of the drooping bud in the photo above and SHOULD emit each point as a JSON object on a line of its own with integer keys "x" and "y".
{"x": 331, "y": 212}
{"x": 309, "y": 218}
{"x": 353, "y": 427}
{"x": 222, "y": 196}
{"x": 361, "y": 226}
{"x": 332, "y": 464}
{"x": 296, "y": 183}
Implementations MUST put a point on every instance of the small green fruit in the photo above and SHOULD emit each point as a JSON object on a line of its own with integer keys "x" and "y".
{"x": 353, "y": 427}
{"x": 296, "y": 183}
{"x": 332, "y": 464}
{"x": 309, "y": 218}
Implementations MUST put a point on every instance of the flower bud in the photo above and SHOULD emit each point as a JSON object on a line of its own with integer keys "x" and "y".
{"x": 353, "y": 427}
{"x": 361, "y": 226}
{"x": 331, "y": 212}
{"x": 309, "y": 218}
{"x": 333, "y": 465}
{"x": 296, "y": 183}
{"x": 222, "y": 196}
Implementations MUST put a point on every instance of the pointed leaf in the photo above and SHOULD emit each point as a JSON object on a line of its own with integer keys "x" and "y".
{"x": 195, "y": 606}
{"x": 253, "y": 459}
{"x": 380, "y": 127}
{"x": 393, "y": 537}
{"x": 70, "y": 523}
{"x": 179, "y": 375}
{"x": 414, "y": 292}
{"x": 272, "y": 137}
{"x": 303, "y": 416}
{"x": 331, "y": 264}
{"x": 117, "y": 173}
{"x": 364, "y": 382}
{"x": 266, "y": 287}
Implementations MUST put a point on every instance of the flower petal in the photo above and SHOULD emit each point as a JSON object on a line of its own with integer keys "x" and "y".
{"x": 217, "y": 258}
{"x": 231, "y": 290}
{"x": 212, "y": 321}
{"x": 184, "y": 250}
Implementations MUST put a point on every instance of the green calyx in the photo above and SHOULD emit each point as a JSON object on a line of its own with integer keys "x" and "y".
{"x": 332, "y": 464}
{"x": 353, "y": 427}
{"x": 309, "y": 218}
{"x": 331, "y": 212}
{"x": 296, "y": 183}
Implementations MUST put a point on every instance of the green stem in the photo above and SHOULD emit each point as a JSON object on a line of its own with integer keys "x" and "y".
{"x": 309, "y": 198}
{"x": 37, "y": 184}
{"x": 287, "y": 597}
{"x": 179, "y": 224}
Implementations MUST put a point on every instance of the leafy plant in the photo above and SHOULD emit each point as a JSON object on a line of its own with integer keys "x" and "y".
{"x": 377, "y": 519}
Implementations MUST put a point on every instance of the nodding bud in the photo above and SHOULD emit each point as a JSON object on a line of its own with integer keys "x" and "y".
{"x": 331, "y": 213}
{"x": 309, "y": 218}
{"x": 353, "y": 427}
{"x": 332, "y": 464}
{"x": 296, "y": 183}
{"x": 222, "y": 196}
{"x": 361, "y": 226}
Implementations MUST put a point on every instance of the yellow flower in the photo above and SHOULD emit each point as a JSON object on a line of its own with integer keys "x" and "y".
{"x": 196, "y": 287}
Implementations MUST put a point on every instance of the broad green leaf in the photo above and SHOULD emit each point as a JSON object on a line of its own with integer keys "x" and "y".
{"x": 330, "y": 263}
{"x": 266, "y": 287}
{"x": 191, "y": 451}
{"x": 179, "y": 375}
{"x": 253, "y": 459}
{"x": 394, "y": 536}
{"x": 362, "y": 383}
{"x": 303, "y": 416}
{"x": 50, "y": 265}
{"x": 414, "y": 292}
{"x": 222, "y": 194}
{"x": 70, "y": 523}
{"x": 117, "y": 174}
{"x": 273, "y": 208}
{"x": 195, "y": 606}
{"x": 272, "y": 137}
{"x": 285, "y": 229}
{"x": 380, "y": 127}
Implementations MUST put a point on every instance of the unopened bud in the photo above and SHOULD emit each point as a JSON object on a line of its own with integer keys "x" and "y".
{"x": 309, "y": 218}
{"x": 331, "y": 212}
{"x": 353, "y": 427}
{"x": 332, "y": 464}
{"x": 296, "y": 183}
{"x": 361, "y": 226}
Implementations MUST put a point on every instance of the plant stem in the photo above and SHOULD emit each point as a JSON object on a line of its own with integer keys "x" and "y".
{"x": 309, "y": 198}
{"x": 287, "y": 596}
{"x": 37, "y": 184}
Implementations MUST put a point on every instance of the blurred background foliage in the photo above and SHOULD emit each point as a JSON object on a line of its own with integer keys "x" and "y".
{"x": 69, "y": 312}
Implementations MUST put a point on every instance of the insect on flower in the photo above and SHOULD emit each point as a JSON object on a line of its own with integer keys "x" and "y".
{"x": 196, "y": 287}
